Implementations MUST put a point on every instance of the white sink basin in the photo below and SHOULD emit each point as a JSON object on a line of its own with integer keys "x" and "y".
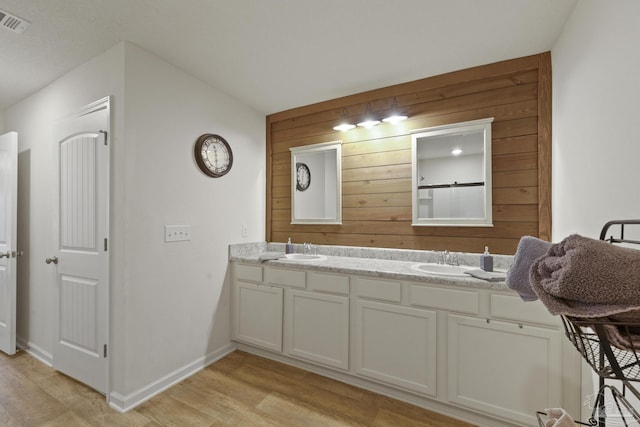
{"x": 442, "y": 269}
{"x": 304, "y": 257}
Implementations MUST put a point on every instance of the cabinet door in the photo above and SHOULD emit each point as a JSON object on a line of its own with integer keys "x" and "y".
{"x": 317, "y": 327}
{"x": 396, "y": 345}
{"x": 504, "y": 369}
{"x": 258, "y": 315}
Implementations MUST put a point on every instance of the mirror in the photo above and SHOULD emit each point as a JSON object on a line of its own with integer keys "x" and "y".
{"x": 316, "y": 183}
{"x": 451, "y": 175}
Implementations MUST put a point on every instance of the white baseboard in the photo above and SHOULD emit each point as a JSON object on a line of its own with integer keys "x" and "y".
{"x": 36, "y": 351}
{"x": 124, "y": 403}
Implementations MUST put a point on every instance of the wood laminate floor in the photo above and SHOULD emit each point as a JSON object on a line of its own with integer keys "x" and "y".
{"x": 239, "y": 390}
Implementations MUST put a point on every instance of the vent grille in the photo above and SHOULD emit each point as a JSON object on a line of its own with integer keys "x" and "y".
{"x": 12, "y": 22}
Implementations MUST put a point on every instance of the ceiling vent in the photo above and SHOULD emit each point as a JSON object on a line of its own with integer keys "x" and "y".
{"x": 12, "y": 22}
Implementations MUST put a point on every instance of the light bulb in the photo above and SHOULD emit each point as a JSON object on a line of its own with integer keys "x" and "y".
{"x": 344, "y": 127}
{"x": 368, "y": 123}
{"x": 395, "y": 118}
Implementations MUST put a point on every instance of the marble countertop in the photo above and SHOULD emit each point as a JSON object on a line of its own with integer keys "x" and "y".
{"x": 393, "y": 264}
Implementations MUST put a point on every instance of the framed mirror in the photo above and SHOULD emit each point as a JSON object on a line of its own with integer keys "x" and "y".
{"x": 316, "y": 183}
{"x": 451, "y": 175}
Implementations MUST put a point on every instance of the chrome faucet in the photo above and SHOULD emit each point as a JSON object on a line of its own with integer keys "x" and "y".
{"x": 308, "y": 248}
{"x": 447, "y": 258}
{"x": 453, "y": 259}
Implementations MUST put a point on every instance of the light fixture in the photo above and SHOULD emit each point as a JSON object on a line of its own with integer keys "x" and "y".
{"x": 456, "y": 151}
{"x": 395, "y": 115}
{"x": 369, "y": 119}
{"x": 344, "y": 124}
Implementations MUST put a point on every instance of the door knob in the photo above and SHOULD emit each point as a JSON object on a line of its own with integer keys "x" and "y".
{"x": 53, "y": 259}
{"x": 5, "y": 254}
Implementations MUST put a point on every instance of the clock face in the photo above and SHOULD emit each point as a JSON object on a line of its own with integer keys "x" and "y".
{"x": 303, "y": 176}
{"x": 213, "y": 155}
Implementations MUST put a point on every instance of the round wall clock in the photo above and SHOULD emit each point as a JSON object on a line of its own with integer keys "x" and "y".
{"x": 303, "y": 176}
{"x": 213, "y": 155}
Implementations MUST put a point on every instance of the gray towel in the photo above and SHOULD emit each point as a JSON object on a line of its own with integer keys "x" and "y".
{"x": 529, "y": 249}
{"x": 588, "y": 278}
{"x": 489, "y": 276}
{"x": 269, "y": 256}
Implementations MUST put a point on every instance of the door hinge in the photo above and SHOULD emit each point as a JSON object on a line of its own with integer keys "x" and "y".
{"x": 105, "y": 350}
{"x": 105, "y": 244}
{"x": 104, "y": 132}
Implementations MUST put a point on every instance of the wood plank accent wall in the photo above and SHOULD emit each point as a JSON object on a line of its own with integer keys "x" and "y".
{"x": 376, "y": 162}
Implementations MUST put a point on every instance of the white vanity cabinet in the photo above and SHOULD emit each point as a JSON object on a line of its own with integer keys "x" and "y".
{"x": 257, "y": 309}
{"x": 316, "y": 322}
{"x": 503, "y": 368}
{"x": 286, "y": 311}
{"x": 474, "y": 352}
{"x": 396, "y": 345}
{"x": 317, "y": 328}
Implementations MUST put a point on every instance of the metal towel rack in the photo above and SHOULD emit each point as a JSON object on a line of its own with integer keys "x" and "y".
{"x": 591, "y": 338}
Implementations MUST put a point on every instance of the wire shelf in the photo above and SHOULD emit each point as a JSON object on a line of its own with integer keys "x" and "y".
{"x": 624, "y": 414}
{"x": 592, "y": 338}
{"x": 611, "y": 347}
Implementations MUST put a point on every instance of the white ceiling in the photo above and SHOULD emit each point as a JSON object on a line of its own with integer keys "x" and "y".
{"x": 278, "y": 54}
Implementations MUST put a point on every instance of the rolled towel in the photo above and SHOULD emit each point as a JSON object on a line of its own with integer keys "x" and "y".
{"x": 489, "y": 276}
{"x": 589, "y": 278}
{"x": 558, "y": 417}
{"x": 270, "y": 256}
{"x": 529, "y": 249}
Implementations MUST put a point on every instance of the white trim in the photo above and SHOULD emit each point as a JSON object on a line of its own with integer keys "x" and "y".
{"x": 125, "y": 403}
{"x": 305, "y": 149}
{"x": 469, "y": 126}
{"x": 36, "y": 352}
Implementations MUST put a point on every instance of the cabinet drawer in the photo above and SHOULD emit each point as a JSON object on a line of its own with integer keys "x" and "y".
{"x": 332, "y": 283}
{"x": 383, "y": 290}
{"x": 281, "y": 277}
{"x": 248, "y": 273}
{"x": 513, "y": 308}
{"x": 444, "y": 299}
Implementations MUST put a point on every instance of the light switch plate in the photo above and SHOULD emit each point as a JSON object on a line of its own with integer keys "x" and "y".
{"x": 177, "y": 233}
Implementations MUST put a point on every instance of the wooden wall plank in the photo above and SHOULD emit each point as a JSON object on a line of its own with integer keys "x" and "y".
{"x": 479, "y": 73}
{"x": 376, "y": 186}
{"x": 368, "y": 160}
{"x": 505, "y": 229}
{"x": 515, "y": 178}
{"x": 544, "y": 146}
{"x": 377, "y": 200}
{"x": 376, "y": 171}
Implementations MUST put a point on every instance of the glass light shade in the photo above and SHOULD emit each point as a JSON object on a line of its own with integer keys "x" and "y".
{"x": 369, "y": 122}
{"x": 395, "y": 118}
{"x": 343, "y": 127}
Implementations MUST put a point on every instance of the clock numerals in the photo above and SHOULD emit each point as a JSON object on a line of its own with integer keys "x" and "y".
{"x": 213, "y": 155}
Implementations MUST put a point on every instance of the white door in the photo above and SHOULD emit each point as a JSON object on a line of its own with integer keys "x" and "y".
{"x": 81, "y": 258}
{"x": 8, "y": 234}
